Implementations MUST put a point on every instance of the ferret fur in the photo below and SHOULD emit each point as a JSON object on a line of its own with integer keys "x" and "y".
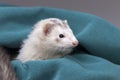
{"x": 44, "y": 42}
{"x": 6, "y": 70}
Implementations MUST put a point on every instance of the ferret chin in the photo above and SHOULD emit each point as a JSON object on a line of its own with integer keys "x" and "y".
{"x": 50, "y": 38}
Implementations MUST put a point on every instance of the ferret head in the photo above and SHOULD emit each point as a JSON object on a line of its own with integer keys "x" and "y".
{"x": 57, "y": 35}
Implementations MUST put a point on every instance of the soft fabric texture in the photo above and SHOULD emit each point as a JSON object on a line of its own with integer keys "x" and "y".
{"x": 100, "y": 38}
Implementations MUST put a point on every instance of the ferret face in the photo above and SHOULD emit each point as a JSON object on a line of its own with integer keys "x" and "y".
{"x": 63, "y": 37}
{"x": 58, "y": 35}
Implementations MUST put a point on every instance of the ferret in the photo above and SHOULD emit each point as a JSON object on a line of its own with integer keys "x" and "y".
{"x": 6, "y": 70}
{"x": 50, "y": 38}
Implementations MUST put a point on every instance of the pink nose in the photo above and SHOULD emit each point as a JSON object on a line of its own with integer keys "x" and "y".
{"x": 75, "y": 43}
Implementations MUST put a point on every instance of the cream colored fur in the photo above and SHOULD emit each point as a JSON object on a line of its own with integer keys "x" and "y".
{"x": 44, "y": 41}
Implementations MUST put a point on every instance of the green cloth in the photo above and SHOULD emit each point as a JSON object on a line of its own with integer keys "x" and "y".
{"x": 100, "y": 38}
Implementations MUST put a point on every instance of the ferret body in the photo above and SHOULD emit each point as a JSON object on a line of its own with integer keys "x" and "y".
{"x": 6, "y": 70}
{"x": 50, "y": 38}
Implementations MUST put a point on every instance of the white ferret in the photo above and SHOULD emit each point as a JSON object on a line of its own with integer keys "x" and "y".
{"x": 50, "y": 38}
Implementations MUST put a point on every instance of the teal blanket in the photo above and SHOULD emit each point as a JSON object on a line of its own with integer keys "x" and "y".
{"x": 100, "y": 38}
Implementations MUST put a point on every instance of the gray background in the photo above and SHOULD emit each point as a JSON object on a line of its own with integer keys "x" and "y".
{"x": 107, "y": 9}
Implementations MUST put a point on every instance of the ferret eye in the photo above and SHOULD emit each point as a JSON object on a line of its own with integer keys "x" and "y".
{"x": 61, "y": 36}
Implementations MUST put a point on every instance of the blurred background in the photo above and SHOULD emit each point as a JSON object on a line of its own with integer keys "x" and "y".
{"x": 107, "y": 9}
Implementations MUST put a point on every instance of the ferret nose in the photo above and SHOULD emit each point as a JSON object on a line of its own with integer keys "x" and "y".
{"x": 75, "y": 43}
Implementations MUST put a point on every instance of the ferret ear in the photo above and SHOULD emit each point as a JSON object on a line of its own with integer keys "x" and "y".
{"x": 65, "y": 21}
{"x": 47, "y": 28}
